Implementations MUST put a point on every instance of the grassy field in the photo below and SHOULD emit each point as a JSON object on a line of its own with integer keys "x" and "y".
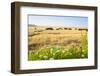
{"x": 56, "y": 44}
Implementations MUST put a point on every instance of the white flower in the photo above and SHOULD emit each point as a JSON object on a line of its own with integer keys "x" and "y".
{"x": 57, "y": 51}
{"x": 45, "y": 57}
{"x": 82, "y": 55}
{"x": 51, "y": 59}
{"x": 51, "y": 49}
{"x": 63, "y": 51}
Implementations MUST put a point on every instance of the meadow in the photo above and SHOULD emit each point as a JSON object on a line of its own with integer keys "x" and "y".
{"x": 57, "y": 43}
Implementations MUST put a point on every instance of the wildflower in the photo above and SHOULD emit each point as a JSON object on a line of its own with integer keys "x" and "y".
{"x": 45, "y": 57}
{"x": 51, "y": 59}
{"x": 51, "y": 49}
{"x": 63, "y": 51}
{"x": 57, "y": 51}
{"x": 82, "y": 55}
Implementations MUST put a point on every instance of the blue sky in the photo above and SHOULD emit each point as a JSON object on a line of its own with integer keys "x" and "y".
{"x": 66, "y": 21}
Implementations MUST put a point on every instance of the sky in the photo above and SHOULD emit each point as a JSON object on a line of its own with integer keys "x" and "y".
{"x": 65, "y": 21}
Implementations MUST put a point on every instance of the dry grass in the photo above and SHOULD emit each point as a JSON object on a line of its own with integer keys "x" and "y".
{"x": 54, "y": 36}
{"x": 40, "y": 38}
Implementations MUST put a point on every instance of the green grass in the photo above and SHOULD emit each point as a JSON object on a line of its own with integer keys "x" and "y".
{"x": 54, "y": 52}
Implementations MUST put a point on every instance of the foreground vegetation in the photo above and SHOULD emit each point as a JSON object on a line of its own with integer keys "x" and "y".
{"x": 60, "y": 51}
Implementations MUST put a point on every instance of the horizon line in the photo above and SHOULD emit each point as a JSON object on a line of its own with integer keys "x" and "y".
{"x": 70, "y": 26}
